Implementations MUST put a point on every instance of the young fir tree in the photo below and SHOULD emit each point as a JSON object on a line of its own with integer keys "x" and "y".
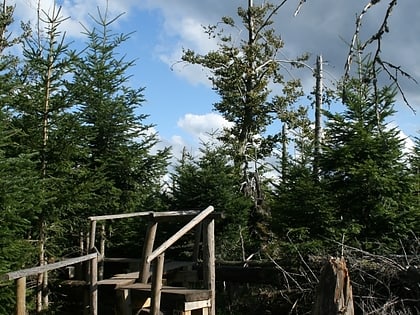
{"x": 363, "y": 168}
{"x": 210, "y": 179}
{"x": 37, "y": 106}
{"x": 241, "y": 70}
{"x": 121, "y": 173}
{"x": 20, "y": 187}
{"x": 414, "y": 169}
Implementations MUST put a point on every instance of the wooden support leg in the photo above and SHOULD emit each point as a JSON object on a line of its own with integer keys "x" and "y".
{"x": 209, "y": 262}
{"x": 21, "y": 296}
{"x": 147, "y": 250}
{"x": 157, "y": 284}
{"x": 124, "y": 302}
{"x": 94, "y": 286}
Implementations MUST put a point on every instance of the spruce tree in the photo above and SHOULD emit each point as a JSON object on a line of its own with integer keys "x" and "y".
{"x": 363, "y": 166}
{"x": 39, "y": 110}
{"x": 210, "y": 179}
{"x": 116, "y": 143}
{"x": 19, "y": 184}
{"x": 119, "y": 171}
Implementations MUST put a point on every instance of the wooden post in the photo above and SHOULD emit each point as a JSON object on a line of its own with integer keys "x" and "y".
{"x": 198, "y": 234}
{"x": 21, "y": 296}
{"x": 92, "y": 235}
{"x": 94, "y": 286}
{"x": 102, "y": 252}
{"x": 147, "y": 250}
{"x": 209, "y": 262}
{"x": 157, "y": 284}
{"x": 334, "y": 295}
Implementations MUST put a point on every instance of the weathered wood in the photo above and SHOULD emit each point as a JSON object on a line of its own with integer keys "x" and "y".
{"x": 21, "y": 296}
{"x": 119, "y": 216}
{"x": 40, "y": 269}
{"x": 334, "y": 295}
{"x": 209, "y": 262}
{"x": 147, "y": 250}
{"x": 190, "y": 225}
{"x": 198, "y": 234}
{"x": 102, "y": 252}
{"x": 92, "y": 236}
{"x": 94, "y": 286}
{"x": 157, "y": 284}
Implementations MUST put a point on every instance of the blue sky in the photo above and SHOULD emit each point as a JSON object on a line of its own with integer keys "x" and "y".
{"x": 179, "y": 98}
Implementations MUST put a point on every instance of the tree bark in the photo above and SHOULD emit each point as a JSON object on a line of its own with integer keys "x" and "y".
{"x": 334, "y": 296}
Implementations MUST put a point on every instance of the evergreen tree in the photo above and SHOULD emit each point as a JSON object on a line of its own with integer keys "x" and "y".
{"x": 118, "y": 170}
{"x": 363, "y": 167}
{"x": 210, "y": 179}
{"x": 414, "y": 170}
{"x": 241, "y": 71}
{"x": 116, "y": 143}
{"x": 39, "y": 110}
{"x": 19, "y": 188}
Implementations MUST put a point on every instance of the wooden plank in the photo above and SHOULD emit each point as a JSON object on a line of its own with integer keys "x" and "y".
{"x": 209, "y": 262}
{"x": 190, "y": 225}
{"x": 194, "y": 305}
{"x": 130, "y": 275}
{"x": 21, "y": 296}
{"x": 120, "y": 216}
{"x": 157, "y": 284}
{"x": 40, "y": 269}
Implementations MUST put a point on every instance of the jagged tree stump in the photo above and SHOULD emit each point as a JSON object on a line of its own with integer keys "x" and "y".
{"x": 334, "y": 294}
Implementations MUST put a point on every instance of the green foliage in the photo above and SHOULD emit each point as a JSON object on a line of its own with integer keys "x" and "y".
{"x": 115, "y": 142}
{"x": 210, "y": 179}
{"x": 363, "y": 167}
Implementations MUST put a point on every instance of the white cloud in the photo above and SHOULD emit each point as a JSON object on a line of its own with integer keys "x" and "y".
{"x": 202, "y": 126}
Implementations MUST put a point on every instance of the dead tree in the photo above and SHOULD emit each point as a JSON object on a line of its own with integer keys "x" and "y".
{"x": 334, "y": 295}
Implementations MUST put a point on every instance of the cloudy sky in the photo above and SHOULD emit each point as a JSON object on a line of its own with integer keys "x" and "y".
{"x": 179, "y": 97}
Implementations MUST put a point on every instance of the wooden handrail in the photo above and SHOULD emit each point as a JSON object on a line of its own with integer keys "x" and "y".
{"x": 40, "y": 269}
{"x": 119, "y": 216}
{"x": 170, "y": 241}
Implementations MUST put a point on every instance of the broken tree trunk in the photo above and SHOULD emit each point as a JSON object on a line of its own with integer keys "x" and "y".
{"x": 334, "y": 295}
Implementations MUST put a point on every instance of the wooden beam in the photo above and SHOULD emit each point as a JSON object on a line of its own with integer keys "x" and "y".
{"x": 190, "y": 225}
{"x": 147, "y": 250}
{"x": 21, "y": 296}
{"x": 119, "y": 216}
{"x": 40, "y": 269}
{"x": 94, "y": 286}
{"x": 157, "y": 284}
{"x": 209, "y": 262}
{"x": 92, "y": 236}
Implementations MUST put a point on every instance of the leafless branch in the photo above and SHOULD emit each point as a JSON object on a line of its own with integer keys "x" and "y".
{"x": 356, "y": 47}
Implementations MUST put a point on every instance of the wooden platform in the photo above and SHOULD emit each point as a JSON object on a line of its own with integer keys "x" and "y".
{"x": 175, "y": 300}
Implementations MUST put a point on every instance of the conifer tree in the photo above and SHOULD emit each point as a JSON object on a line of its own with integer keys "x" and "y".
{"x": 241, "y": 70}
{"x": 39, "y": 109}
{"x": 19, "y": 184}
{"x": 363, "y": 166}
{"x": 117, "y": 146}
{"x": 210, "y": 179}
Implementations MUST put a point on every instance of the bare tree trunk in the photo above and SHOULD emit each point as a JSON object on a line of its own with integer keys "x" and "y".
{"x": 334, "y": 295}
{"x": 318, "y": 106}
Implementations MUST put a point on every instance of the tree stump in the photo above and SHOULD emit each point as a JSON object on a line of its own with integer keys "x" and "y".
{"x": 334, "y": 294}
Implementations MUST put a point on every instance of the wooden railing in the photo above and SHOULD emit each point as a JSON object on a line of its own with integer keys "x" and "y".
{"x": 156, "y": 257}
{"x": 20, "y": 279}
{"x": 205, "y": 222}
